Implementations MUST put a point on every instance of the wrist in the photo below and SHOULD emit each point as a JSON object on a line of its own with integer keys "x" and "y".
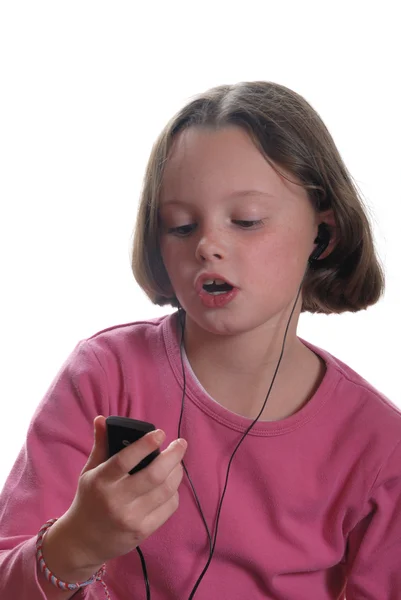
{"x": 64, "y": 556}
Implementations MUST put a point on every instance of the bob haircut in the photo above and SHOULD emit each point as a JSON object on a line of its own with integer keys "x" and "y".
{"x": 291, "y": 135}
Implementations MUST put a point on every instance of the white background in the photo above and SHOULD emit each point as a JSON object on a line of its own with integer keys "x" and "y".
{"x": 85, "y": 89}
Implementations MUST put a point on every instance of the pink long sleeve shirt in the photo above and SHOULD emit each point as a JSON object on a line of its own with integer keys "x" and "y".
{"x": 313, "y": 505}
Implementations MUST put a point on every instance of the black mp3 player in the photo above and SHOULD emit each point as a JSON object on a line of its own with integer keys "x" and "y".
{"x": 122, "y": 431}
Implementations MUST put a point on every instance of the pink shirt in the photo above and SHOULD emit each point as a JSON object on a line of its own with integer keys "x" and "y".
{"x": 313, "y": 504}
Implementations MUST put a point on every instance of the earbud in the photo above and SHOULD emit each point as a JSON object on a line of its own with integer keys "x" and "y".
{"x": 323, "y": 239}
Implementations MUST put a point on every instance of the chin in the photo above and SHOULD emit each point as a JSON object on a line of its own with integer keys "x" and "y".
{"x": 221, "y": 325}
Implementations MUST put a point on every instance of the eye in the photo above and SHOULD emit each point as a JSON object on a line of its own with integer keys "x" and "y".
{"x": 248, "y": 224}
{"x": 182, "y": 230}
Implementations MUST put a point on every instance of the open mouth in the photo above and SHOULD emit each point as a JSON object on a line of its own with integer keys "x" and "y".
{"x": 216, "y": 287}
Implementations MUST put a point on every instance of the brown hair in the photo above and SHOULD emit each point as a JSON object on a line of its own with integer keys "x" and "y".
{"x": 290, "y": 134}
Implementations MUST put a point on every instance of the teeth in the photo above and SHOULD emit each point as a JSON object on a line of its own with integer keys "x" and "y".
{"x": 211, "y": 281}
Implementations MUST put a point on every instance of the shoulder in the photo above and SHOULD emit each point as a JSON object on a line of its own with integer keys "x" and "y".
{"x": 133, "y": 340}
{"x": 133, "y": 330}
{"x": 370, "y": 409}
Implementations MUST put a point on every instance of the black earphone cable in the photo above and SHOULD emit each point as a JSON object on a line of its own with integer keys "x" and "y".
{"x": 237, "y": 446}
{"x": 213, "y": 545}
{"x": 145, "y": 573}
{"x": 323, "y": 239}
{"x": 182, "y": 323}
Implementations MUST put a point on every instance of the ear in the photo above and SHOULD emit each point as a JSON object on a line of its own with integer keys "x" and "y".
{"x": 328, "y": 218}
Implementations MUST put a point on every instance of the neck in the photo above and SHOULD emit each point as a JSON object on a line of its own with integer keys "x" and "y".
{"x": 237, "y": 370}
{"x": 243, "y": 354}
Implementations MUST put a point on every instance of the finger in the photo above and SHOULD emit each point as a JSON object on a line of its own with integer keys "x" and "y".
{"x": 120, "y": 464}
{"x": 158, "y": 517}
{"x": 156, "y": 473}
{"x": 98, "y": 453}
{"x": 146, "y": 503}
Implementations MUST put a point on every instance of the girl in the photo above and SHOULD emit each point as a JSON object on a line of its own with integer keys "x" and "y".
{"x": 282, "y": 474}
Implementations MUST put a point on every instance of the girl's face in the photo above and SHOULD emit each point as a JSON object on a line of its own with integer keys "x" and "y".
{"x": 226, "y": 214}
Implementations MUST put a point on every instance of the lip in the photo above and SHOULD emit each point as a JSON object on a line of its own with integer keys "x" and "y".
{"x": 200, "y": 280}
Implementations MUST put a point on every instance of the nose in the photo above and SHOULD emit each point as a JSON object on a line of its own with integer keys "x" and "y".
{"x": 210, "y": 247}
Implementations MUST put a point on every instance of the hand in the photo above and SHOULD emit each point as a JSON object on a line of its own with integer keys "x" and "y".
{"x": 113, "y": 512}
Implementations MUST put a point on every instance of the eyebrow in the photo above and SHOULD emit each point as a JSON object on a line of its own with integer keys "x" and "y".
{"x": 240, "y": 193}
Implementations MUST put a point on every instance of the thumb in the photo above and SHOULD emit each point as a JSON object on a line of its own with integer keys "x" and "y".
{"x": 99, "y": 453}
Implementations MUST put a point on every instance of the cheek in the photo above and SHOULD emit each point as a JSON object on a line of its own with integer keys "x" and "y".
{"x": 166, "y": 255}
{"x": 172, "y": 259}
{"x": 267, "y": 255}
{"x": 167, "y": 251}
{"x": 276, "y": 263}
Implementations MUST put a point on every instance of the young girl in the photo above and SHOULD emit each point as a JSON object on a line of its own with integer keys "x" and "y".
{"x": 281, "y": 472}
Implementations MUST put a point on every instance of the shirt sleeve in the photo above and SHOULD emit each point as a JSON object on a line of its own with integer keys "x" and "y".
{"x": 374, "y": 546}
{"x": 44, "y": 478}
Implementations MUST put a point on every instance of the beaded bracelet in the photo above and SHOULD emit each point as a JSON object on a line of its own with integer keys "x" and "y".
{"x": 52, "y": 578}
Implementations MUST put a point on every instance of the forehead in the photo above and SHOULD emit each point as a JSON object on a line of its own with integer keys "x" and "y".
{"x": 219, "y": 162}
